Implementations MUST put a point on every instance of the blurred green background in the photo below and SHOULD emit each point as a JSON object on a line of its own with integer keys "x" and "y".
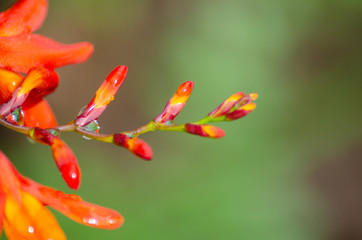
{"x": 291, "y": 170}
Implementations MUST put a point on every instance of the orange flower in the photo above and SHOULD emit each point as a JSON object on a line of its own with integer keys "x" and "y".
{"x": 24, "y": 215}
{"x": 38, "y": 56}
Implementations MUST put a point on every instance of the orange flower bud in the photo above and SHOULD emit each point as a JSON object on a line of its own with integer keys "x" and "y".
{"x": 104, "y": 95}
{"x": 135, "y": 145}
{"x": 175, "y": 104}
{"x": 205, "y": 130}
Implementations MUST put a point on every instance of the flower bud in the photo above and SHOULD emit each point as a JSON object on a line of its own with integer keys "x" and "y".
{"x": 135, "y": 145}
{"x": 62, "y": 154}
{"x": 241, "y": 111}
{"x": 204, "y": 130}
{"x": 104, "y": 95}
{"x": 175, "y": 104}
{"x": 226, "y": 105}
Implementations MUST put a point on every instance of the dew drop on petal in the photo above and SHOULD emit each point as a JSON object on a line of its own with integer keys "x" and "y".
{"x": 92, "y": 221}
{"x": 31, "y": 229}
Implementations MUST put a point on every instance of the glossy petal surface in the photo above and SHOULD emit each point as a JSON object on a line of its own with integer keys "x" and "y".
{"x": 24, "y": 16}
{"x": 30, "y": 220}
{"x": 22, "y": 52}
{"x": 9, "y": 81}
{"x": 74, "y": 207}
{"x": 37, "y": 113}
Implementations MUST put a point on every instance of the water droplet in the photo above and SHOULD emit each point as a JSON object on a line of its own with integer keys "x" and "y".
{"x": 31, "y": 229}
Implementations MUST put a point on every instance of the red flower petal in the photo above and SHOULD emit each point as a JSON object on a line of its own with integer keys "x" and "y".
{"x": 24, "y": 16}
{"x": 37, "y": 113}
{"x": 73, "y": 206}
{"x": 22, "y": 52}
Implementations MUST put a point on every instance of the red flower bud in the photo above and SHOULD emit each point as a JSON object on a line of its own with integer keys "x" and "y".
{"x": 62, "y": 154}
{"x": 104, "y": 95}
{"x": 241, "y": 111}
{"x": 175, "y": 104}
{"x": 135, "y": 145}
{"x": 243, "y": 107}
{"x": 225, "y": 106}
{"x": 205, "y": 130}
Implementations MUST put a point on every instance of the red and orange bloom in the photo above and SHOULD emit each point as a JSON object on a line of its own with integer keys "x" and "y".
{"x": 62, "y": 154}
{"x": 38, "y": 83}
{"x": 22, "y": 51}
{"x": 204, "y": 130}
{"x": 236, "y": 106}
{"x": 24, "y": 215}
{"x": 104, "y": 95}
{"x": 243, "y": 107}
{"x": 133, "y": 144}
{"x": 226, "y": 105}
{"x": 175, "y": 104}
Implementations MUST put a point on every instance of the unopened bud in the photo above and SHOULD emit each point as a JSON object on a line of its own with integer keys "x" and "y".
{"x": 205, "y": 130}
{"x": 175, "y": 104}
{"x": 104, "y": 95}
{"x": 135, "y": 145}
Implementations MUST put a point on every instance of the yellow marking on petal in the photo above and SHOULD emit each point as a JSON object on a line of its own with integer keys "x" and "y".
{"x": 9, "y": 81}
{"x": 235, "y": 97}
{"x": 30, "y": 220}
{"x": 34, "y": 79}
{"x": 254, "y": 96}
{"x": 249, "y": 107}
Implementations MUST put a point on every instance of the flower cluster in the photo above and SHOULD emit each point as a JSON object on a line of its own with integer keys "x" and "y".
{"x": 28, "y": 64}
